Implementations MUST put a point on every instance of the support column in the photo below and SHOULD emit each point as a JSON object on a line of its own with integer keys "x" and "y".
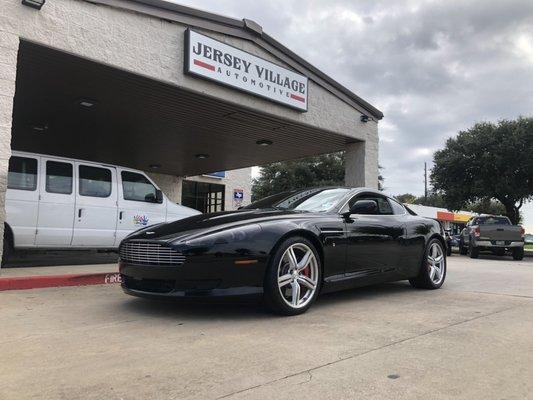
{"x": 9, "y": 44}
{"x": 361, "y": 164}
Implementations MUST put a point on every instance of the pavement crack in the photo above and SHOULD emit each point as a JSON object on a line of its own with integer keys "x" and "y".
{"x": 353, "y": 356}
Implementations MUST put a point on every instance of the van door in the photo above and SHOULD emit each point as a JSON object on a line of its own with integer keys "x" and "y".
{"x": 56, "y": 207}
{"x": 95, "y": 217}
{"x": 137, "y": 205}
{"x": 22, "y": 199}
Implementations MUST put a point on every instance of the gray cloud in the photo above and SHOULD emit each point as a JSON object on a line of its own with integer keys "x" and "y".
{"x": 433, "y": 67}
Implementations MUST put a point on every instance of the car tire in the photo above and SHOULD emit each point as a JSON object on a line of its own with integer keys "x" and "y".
{"x": 7, "y": 247}
{"x": 473, "y": 251}
{"x": 426, "y": 278}
{"x": 286, "y": 277}
{"x": 462, "y": 248}
{"x": 518, "y": 254}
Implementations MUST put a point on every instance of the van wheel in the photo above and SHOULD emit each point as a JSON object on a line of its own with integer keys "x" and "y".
{"x": 518, "y": 254}
{"x": 8, "y": 246}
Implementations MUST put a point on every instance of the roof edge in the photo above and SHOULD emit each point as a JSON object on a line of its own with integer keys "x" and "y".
{"x": 246, "y": 26}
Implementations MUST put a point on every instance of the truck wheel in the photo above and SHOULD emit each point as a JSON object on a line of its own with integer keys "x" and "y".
{"x": 518, "y": 253}
{"x": 473, "y": 251}
{"x": 462, "y": 248}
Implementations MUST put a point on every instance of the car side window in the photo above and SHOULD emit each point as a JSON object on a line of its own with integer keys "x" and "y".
{"x": 95, "y": 181}
{"x": 384, "y": 207}
{"x": 397, "y": 208}
{"x": 137, "y": 187}
{"x": 58, "y": 177}
{"x": 22, "y": 173}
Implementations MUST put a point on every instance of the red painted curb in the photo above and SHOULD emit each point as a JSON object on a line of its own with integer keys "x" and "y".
{"x": 38, "y": 281}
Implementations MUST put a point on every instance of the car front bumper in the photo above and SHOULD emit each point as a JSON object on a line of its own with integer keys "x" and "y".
{"x": 220, "y": 278}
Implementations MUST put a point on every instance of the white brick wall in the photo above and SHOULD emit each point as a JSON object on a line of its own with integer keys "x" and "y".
{"x": 8, "y": 67}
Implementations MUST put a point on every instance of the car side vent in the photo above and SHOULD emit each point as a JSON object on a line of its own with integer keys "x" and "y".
{"x": 150, "y": 254}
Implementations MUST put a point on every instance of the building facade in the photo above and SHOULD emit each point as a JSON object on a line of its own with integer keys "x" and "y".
{"x": 159, "y": 87}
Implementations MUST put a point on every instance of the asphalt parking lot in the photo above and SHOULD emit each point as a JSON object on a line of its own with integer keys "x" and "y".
{"x": 472, "y": 339}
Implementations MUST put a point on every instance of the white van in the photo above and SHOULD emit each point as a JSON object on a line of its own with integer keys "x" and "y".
{"x": 60, "y": 203}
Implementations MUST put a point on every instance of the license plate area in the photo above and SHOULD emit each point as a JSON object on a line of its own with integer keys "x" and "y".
{"x": 500, "y": 243}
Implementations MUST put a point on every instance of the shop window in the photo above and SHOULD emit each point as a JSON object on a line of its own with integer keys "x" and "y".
{"x": 202, "y": 196}
{"x": 94, "y": 181}
{"x": 22, "y": 173}
{"x": 58, "y": 177}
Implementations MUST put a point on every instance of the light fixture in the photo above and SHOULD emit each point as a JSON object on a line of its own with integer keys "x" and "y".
{"x": 364, "y": 118}
{"x": 155, "y": 166}
{"x": 36, "y": 4}
{"x": 264, "y": 142}
{"x": 87, "y": 103}
{"x": 202, "y": 156}
{"x": 39, "y": 128}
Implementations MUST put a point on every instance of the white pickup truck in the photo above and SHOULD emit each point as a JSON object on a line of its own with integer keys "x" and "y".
{"x": 62, "y": 203}
{"x": 492, "y": 233}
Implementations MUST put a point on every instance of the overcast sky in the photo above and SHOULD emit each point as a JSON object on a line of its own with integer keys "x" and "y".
{"x": 432, "y": 67}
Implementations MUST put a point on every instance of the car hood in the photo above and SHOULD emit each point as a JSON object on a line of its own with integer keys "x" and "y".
{"x": 203, "y": 224}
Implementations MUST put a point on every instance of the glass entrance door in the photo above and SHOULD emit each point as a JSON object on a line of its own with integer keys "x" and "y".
{"x": 202, "y": 196}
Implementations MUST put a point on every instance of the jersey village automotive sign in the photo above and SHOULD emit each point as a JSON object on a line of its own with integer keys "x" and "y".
{"x": 225, "y": 64}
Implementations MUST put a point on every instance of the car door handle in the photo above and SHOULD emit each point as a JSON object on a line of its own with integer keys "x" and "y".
{"x": 79, "y": 212}
{"x": 120, "y": 215}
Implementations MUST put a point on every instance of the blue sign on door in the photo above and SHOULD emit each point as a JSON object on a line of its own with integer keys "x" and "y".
{"x": 238, "y": 194}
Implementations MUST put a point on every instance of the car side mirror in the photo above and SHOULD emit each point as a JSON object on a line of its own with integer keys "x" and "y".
{"x": 154, "y": 198}
{"x": 365, "y": 207}
{"x": 158, "y": 196}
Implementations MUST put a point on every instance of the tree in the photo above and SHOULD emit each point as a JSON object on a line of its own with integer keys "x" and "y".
{"x": 487, "y": 161}
{"x": 324, "y": 170}
{"x": 407, "y": 198}
{"x": 433, "y": 199}
{"x": 487, "y": 206}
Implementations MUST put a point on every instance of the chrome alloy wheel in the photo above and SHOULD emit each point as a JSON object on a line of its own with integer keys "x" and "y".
{"x": 436, "y": 263}
{"x": 298, "y": 275}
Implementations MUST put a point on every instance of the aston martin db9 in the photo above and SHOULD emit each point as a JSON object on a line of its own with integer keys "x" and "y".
{"x": 286, "y": 249}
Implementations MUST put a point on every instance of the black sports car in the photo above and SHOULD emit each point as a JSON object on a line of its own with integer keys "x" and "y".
{"x": 286, "y": 249}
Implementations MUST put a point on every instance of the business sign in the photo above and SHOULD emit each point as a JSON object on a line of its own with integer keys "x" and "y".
{"x": 225, "y": 64}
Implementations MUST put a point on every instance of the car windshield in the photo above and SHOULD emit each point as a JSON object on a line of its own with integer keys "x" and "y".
{"x": 313, "y": 200}
{"x": 493, "y": 221}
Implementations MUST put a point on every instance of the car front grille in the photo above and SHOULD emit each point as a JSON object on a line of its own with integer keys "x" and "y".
{"x": 150, "y": 254}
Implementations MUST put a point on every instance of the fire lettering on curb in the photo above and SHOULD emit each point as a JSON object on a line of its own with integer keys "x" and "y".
{"x": 113, "y": 278}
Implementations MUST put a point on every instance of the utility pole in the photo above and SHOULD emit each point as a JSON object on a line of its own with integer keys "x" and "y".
{"x": 425, "y": 182}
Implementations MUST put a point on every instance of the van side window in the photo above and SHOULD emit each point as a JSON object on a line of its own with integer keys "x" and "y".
{"x": 95, "y": 181}
{"x": 22, "y": 173}
{"x": 58, "y": 177}
{"x": 137, "y": 188}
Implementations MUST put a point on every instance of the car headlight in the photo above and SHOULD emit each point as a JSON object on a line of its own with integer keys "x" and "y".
{"x": 240, "y": 234}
